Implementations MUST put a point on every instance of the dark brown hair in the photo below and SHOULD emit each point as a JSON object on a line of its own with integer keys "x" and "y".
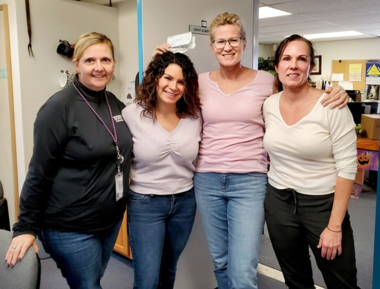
{"x": 280, "y": 50}
{"x": 188, "y": 105}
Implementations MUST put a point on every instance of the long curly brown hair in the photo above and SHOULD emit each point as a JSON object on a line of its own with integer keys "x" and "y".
{"x": 188, "y": 105}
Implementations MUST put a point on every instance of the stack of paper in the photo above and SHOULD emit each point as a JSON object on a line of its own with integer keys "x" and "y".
{"x": 181, "y": 42}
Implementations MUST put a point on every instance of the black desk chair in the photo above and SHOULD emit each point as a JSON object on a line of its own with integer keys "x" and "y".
{"x": 4, "y": 213}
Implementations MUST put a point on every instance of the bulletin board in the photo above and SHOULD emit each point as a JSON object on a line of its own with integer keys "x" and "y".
{"x": 342, "y": 66}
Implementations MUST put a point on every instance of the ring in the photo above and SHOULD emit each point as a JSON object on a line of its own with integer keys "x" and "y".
{"x": 13, "y": 247}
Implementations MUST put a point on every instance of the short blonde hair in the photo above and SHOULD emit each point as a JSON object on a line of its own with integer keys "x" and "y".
{"x": 86, "y": 40}
{"x": 224, "y": 19}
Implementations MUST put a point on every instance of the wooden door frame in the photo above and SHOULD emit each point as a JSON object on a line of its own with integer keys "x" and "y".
{"x": 4, "y": 9}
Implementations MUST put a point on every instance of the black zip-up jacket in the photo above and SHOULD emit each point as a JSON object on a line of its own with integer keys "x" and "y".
{"x": 70, "y": 185}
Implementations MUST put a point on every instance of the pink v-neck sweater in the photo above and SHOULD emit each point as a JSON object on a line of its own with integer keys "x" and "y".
{"x": 233, "y": 126}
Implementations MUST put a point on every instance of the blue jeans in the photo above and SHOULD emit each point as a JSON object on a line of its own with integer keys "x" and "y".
{"x": 232, "y": 213}
{"x": 159, "y": 228}
{"x": 82, "y": 258}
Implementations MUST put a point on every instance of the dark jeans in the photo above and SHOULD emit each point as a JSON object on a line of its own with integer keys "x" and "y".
{"x": 158, "y": 229}
{"x": 295, "y": 222}
{"x": 82, "y": 258}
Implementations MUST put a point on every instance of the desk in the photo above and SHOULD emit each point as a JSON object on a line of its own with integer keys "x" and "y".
{"x": 367, "y": 159}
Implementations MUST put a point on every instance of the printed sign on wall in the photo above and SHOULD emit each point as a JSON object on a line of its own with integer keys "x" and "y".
{"x": 372, "y": 74}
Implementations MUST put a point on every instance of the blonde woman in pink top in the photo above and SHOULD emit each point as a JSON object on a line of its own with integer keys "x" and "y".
{"x": 230, "y": 180}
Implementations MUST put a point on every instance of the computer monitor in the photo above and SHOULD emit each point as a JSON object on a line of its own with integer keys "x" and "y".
{"x": 359, "y": 108}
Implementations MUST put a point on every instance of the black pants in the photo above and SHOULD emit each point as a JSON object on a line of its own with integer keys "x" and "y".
{"x": 295, "y": 222}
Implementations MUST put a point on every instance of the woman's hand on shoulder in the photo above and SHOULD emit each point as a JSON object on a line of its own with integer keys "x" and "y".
{"x": 330, "y": 243}
{"x": 160, "y": 49}
{"x": 337, "y": 96}
{"x": 18, "y": 248}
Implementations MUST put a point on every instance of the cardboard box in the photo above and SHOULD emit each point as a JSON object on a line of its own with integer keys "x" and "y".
{"x": 370, "y": 125}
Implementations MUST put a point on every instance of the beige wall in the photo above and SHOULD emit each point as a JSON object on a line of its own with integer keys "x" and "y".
{"x": 179, "y": 14}
{"x": 128, "y": 58}
{"x": 345, "y": 50}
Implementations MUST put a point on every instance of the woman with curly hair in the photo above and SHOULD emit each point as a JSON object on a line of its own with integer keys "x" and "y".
{"x": 165, "y": 124}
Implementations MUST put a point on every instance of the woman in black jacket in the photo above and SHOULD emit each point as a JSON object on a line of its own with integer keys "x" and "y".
{"x": 74, "y": 194}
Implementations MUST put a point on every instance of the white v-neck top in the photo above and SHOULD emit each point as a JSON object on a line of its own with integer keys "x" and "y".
{"x": 163, "y": 162}
{"x": 309, "y": 155}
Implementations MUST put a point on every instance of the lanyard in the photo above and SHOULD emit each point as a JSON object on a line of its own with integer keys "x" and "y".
{"x": 119, "y": 157}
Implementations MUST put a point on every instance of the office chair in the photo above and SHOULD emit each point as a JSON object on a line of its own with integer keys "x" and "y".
{"x": 4, "y": 214}
{"x": 26, "y": 274}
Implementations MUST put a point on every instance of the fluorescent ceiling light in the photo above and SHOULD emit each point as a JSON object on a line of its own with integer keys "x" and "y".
{"x": 332, "y": 34}
{"x": 267, "y": 12}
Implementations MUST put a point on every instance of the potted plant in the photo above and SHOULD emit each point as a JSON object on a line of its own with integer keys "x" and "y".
{"x": 267, "y": 65}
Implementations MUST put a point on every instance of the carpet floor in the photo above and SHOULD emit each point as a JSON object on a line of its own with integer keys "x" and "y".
{"x": 119, "y": 273}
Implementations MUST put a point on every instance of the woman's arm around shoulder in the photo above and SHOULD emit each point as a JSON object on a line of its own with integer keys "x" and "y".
{"x": 336, "y": 96}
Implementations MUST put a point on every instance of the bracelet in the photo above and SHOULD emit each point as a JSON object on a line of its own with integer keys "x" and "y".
{"x": 333, "y": 230}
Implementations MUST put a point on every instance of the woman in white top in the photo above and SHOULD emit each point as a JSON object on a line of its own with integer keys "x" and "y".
{"x": 165, "y": 124}
{"x": 313, "y": 164}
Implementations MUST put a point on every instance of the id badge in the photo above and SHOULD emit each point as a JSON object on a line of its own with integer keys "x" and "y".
{"x": 119, "y": 186}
